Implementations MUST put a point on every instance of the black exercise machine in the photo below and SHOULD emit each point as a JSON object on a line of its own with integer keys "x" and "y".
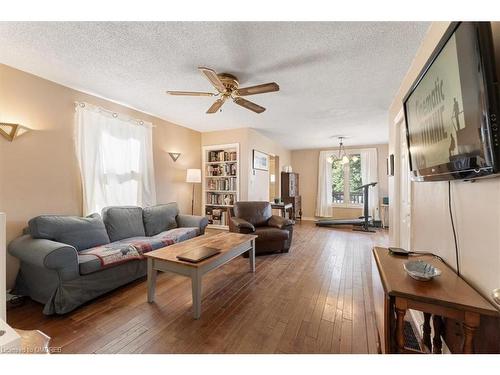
{"x": 361, "y": 224}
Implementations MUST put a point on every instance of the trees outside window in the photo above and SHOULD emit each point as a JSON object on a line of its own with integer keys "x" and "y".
{"x": 346, "y": 180}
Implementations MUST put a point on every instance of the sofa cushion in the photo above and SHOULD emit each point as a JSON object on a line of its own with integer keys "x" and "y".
{"x": 160, "y": 218}
{"x": 271, "y": 234}
{"x": 123, "y": 222}
{"x": 129, "y": 249}
{"x": 179, "y": 234}
{"x": 79, "y": 232}
{"x": 88, "y": 264}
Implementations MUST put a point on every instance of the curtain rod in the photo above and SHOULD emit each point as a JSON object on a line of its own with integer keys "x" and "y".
{"x": 113, "y": 113}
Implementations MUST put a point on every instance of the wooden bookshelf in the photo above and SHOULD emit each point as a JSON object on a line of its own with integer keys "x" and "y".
{"x": 221, "y": 182}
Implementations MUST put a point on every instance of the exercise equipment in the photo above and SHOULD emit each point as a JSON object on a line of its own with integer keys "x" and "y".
{"x": 361, "y": 224}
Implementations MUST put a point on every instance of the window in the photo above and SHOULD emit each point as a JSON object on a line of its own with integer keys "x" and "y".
{"x": 346, "y": 180}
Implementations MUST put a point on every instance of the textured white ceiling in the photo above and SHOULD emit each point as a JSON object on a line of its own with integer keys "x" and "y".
{"x": 336, "y": 78}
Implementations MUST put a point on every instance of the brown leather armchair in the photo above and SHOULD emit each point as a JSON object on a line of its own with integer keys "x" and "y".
{"x": 274, "y": 232}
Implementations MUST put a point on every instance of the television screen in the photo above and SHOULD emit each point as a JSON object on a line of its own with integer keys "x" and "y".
{"x": 447, "y": 110}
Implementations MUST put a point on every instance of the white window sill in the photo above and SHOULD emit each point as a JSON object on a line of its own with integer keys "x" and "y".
{"x": 347, "y": 205}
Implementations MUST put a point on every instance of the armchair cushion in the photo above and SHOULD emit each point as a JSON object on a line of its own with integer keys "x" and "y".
{"x": 160, "y": 218}
{"x": 279, "y": 222}
{"x": 268, "y": 234}
{"x": 80, "y": 232}
{"x": 241, "y": 224}
{"x": 123, "y": 222}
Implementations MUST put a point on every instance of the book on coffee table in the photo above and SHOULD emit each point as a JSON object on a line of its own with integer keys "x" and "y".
{"x": 199, "y": 254}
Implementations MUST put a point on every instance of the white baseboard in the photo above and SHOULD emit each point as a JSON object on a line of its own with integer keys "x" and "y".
{"x": 309, "y": 218}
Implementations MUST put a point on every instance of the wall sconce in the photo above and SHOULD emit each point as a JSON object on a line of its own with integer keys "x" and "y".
{"x": 12, "y": 131}
{"x": 174, "y": 155}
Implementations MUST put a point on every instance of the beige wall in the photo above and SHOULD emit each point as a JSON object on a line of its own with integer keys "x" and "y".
{"x": 305, "y": 162}
{"x": 258, "y": 183}
{"x": 476, "y": 205}
{"x": 39, "y": 172}
{"x": 254, "y": 185}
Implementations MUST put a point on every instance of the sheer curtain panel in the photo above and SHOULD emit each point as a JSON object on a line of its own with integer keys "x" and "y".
{"x": 369, "y": 174}
{"x": 324, "y": 197}
{"x": 115, "y": 154}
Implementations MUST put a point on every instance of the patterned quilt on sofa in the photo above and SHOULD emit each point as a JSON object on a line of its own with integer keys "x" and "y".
{"x": 135, "y": 248}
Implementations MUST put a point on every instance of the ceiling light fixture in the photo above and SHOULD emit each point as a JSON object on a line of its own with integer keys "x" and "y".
{"x": 342, "y": 153}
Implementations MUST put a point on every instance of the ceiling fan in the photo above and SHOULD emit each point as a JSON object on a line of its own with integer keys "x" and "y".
{"x": 227, "y": 87}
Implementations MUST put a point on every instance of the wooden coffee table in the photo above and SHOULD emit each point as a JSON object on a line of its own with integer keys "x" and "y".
{"x": 164, "y": 260}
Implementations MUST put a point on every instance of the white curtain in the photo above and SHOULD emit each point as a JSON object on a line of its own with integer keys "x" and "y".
{"x": 115, "y": 154}
{"x": 369, "y": 173}
{"x": 324, "y": 196}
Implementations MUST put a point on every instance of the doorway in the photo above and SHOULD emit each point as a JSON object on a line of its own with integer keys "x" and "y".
{"x": 274, "y": 177}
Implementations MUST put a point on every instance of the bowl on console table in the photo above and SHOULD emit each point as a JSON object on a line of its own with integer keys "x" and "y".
{"x": 420, "y": 270}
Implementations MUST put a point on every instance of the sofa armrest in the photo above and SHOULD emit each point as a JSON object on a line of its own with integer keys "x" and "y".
{"x": 242, "y": 226}
{"x": 279, "y": 222}
{"x": 47, "y": 254}
{"x": 199, "y": 222}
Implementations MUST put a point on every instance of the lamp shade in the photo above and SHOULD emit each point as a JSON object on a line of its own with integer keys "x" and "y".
{"x": 193, "y": 175}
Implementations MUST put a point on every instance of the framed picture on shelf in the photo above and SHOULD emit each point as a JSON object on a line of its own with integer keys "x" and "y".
{"x": 260, "y": 161}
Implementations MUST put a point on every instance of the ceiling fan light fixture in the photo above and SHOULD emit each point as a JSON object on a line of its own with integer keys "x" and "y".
{"x": 227, "y": 86}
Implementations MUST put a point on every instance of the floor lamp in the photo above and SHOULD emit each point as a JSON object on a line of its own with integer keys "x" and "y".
{"x": 193, "y": 176}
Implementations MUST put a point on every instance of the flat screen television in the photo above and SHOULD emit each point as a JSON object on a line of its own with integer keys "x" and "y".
{"x": 451, "y": 110}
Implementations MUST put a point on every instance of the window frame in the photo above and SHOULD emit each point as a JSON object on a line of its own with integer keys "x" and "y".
{"x": 347, "y": 182}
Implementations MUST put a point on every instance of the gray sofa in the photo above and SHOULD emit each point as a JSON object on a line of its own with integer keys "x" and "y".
{"x": 59, "y": 267}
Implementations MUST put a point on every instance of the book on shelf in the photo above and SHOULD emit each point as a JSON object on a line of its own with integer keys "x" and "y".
{"x": 208, "y": 214}
{"x": 222, "y": 170}
{"x": 225, "y": 184}
{"x": 221, "y": 155}
{"x": 216, "y": 214}
{"x": 218, "y": 217}
{"x": 220, "y": 199}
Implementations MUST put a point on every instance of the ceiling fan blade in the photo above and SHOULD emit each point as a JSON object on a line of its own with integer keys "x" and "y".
{"x": 217, "y": 104}
{"x": 190, "y": 93}
{"x": 259, "y": 89}
{"x": 213, "y": 78}
{"x": 249, "y": 105}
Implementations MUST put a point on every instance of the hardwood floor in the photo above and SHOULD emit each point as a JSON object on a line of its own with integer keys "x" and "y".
{"x": 315, "y": 299}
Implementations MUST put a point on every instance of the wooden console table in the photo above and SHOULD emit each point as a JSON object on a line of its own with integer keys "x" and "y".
{"x": 447, "y": 296}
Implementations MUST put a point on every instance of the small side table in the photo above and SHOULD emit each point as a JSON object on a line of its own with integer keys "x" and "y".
{"x": 384, "y": 211}
{"x": 283, "y": 208}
